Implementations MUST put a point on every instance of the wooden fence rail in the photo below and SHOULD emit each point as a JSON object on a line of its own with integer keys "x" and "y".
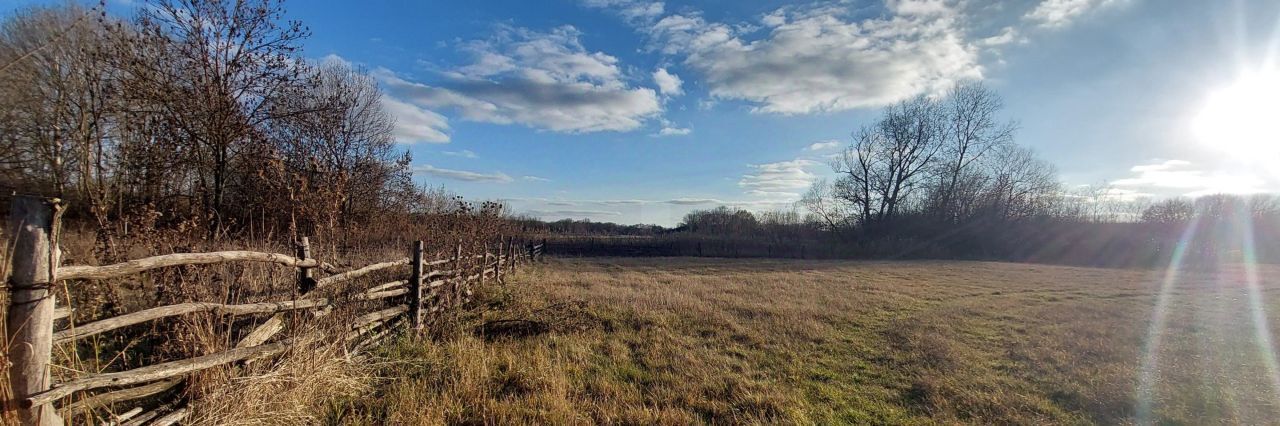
{"x": 429, "y": 286}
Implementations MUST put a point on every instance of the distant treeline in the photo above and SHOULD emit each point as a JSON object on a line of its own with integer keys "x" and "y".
{"x": 587, "y": 227}
{"x": 941, "y": 177}
{"x": 203, "y": 117}
{"x": 1210, "y": 230}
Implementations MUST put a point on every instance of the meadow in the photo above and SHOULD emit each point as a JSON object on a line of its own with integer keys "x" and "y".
{"x": 678, "y": 340}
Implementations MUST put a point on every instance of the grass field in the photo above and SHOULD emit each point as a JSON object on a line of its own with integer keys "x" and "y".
{"x": 639, "y": 341}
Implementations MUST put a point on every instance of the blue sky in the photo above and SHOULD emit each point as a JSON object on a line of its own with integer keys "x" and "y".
{"x": 637, "y": 111}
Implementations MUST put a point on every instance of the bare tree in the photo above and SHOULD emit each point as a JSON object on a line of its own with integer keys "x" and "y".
{"x": 825, "y": 206}
{"x": 57, "y": 94}
{"x": 886, "y": 161}
{"x": 1170, "y": 211}
{"x": 211, "y": 70}
{"x": 972, "y": 130}
{"x": 1022, "y": 185}
{"x": 337, "y": 139}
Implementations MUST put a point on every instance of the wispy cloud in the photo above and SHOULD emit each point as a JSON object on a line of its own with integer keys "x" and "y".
{"x": 671, "y": 129}
{"x": 535, "y": 178}
{"x": 823, "y": 145}
{"x": 783, "y": 179}
{"x": 1181, "y": 177}
{"x": 694, "y": 201}
{"x": 462, "y": 175}
{"x": 574, "y": 213}
{"x": 1061, "y": 13}
{"x": 636, "y": 12}
{"x": 466, "y": 153}
{"x": 416, "y": 124}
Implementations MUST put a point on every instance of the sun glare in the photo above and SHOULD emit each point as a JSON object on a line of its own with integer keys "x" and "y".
{"x": 1243, "y": 120}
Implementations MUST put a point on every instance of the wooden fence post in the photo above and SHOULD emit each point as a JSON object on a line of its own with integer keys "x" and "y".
{"x": 305, "y": 282}
{"x": 484, "y": 264}
{"x": 457, "y": 260}
{"x": 460, "y": 282}
{"x": 415, "y": 287}
{"x": 542, "y": 252}
{"x": 34, "y": 260}
{"x": 530, "y": 252}
{"x": 511, "y": 255}
{"x": 497, "y": 266}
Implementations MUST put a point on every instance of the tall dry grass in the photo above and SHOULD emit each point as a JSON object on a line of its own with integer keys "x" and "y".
{"x": 679, "y": 341}
{"x": 288, "y": 389}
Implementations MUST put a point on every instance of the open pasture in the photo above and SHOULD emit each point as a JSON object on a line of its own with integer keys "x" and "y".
{"x": 672, "y": 340}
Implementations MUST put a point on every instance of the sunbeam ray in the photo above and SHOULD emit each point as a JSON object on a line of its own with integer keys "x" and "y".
{"x": 1150, "y": 360}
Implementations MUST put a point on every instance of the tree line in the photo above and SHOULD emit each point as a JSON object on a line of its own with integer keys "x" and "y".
{"x": 200, "y": 115}
{"x": 942, "y": 177}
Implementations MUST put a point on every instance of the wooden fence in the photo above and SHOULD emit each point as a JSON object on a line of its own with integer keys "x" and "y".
{"x": 428, "y": 286}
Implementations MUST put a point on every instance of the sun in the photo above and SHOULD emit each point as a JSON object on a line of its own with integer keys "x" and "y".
{"x": 1243, "y": 120}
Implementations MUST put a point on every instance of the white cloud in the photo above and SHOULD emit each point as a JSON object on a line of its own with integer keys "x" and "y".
{"x": 820, "y": 59}
{"x": 1060, "y": 13}
{"x": 414, "y": 123}
{"x": 821, "y": 145}
{"x": 463, "y": 175}
{"x": 674, "y": 131}
{"x": 671, "y": 129}
{"x": 1006, "y": 36}
{"x": 634, "y": 11}
{"x": 783, "y": 179}
{"x": 1181, "y": 177}
{"x": 542, "y": 80}
{"x": 919, "y": 7}
{"x": 466, "y": 153}
{"x": 668, "y": 83}
{"x": 535, "y": 178}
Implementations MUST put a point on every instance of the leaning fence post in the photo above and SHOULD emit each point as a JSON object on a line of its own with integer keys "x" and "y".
{"x": 415, "y": 286}
{"x": 34, "y": 262}
{"x": 305, "y": 282}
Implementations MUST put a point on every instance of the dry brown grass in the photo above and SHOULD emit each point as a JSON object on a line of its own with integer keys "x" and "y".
{"x": 288, "y": 389}
{"x": 640, "y": 341}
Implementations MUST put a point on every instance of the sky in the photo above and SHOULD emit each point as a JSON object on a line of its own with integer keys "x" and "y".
{"x": 636, "y": 111}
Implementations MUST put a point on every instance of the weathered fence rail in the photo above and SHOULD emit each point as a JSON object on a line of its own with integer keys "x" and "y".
{"x": 428, "y": 286}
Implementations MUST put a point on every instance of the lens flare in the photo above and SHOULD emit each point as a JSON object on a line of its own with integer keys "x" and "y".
{"x": 1257, "y": 309}
{"x": 1150, "y": 360}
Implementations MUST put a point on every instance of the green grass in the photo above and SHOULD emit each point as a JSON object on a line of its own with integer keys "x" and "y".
{"x": 642, "y": 341}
